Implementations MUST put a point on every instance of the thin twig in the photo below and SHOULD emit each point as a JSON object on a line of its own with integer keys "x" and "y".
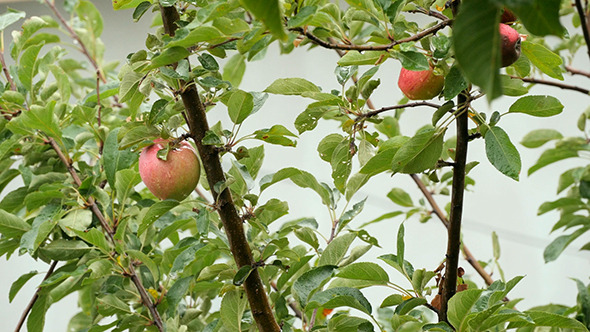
{"x": 25, "y": 313}
{"x": 576, "y": 71}
{"x": 443, "y": 218}
{"x": 349, "y": 47}
{"x": 77, "y": 38}
{"x": 432, "y": 13}
{"x": 99, "y": 116}
{"x": 145, "y": 297}
{"x": 90, "y": 201}
{"x": 6, "y": 73}
{"x": 552, "y": 83}
{"x": 584, "y": 24}
{"x": 395, "y": 107}
{"x": 458, "y": 190}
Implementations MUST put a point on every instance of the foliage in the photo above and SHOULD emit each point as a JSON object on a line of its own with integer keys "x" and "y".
{"x": 71, "y": 132}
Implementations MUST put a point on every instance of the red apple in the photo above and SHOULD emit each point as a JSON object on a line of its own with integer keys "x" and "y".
{"x": 420, "y": 85}
{"x": 510, "y": 45}
{"x": 174, "y": 178}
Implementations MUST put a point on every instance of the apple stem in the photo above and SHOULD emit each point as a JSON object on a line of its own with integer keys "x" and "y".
{"x": 196, "y": 117}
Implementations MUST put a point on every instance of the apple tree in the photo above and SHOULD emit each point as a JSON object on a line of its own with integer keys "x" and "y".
{"x": 152, "y": 259}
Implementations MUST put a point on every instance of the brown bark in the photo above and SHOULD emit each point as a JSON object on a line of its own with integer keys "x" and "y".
{"x": 197, "y": 121}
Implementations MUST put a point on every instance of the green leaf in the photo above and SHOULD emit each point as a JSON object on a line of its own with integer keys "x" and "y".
{"x": 113, "y": 159}
{"x": 409, "y": 304}
{"x": 177, "y": 292}
{"x": 169, "y": 56}
{"x": 87, "y": 12}
{"x": 547, "y": 61}
{"x": 208, "y": 62}
{"x": 185, "y": 257}
{"x": 552, "y": 155}
{"x": 11, "y": 16}
{"x": 538, "y": 137}
{"x": 540, "y": 17}
{"x": 419, "y": 153}
{"x": 268, "y": 12}
{"x": 308, "y": 236}
{"x": 454, "y": 83}
{"x": 381, "y": 161}
{"x": 242, "y": 275}
{"x": 276, "y": 134}
{"x": 125, "y": 181}
{"x": 202, "y": 33}
{"x": 350, "y": 214}
{"x": 301, "y": 178}
{"x": 125, "y": 4}
{"x": 341, "y": 162}
{"x": 460, "y": 306}
{"x": 303, "y": 16}
{"x": 37, "y": 118}
{"x": 140, "y": 10}
{"x": 345, "y": 323}
{"x": 154, "y": 212}
{"x": 542, "y": 318}
{"x": 512, "y": 86}
{"x": 64, "y": 250}
{"x": 557, "y": 246}
{"x": 475, "y": 31}
{"x": 19, "y": 283}
{"x": 336, "y": 250}
{"x": 234, "y": 69}
{"x": 11, "y": 225}
{"x": 502, "y": 153}
{"x": 414, "y": 61}
{"x": 541, "y": 106}
{"x": 583, "y": 300}
{"x": 355, "y": 58}
{"x": 111, "y": 301}
{"x": 239, "y": 105}
{"x": 364, "y": 271}
{"x": 327, "y": 146}
{"x": 27, "y": 68}
{"x": 96, "y": 238}
{"x": 392, "y": 300}
{"x": 291, "y": 86}
{"x": 340, "y": 297}
{"x": 400, "y": 197}
{"x": 36, "y": 319}
{"x": 311, "y": 280}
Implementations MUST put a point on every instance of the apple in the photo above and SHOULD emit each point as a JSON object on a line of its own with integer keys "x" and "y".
{"x": 173, "y": 178}
{"x": 420, "y": 85}
{"x": 508, "y": 16}
{"x": 510, "y": 45}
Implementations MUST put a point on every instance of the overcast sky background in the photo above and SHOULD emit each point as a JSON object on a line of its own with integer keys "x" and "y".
{"x": 496, "y": 203}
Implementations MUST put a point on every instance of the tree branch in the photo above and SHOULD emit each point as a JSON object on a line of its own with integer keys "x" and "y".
{"x": 197, "y": 122}
{"x": 348, "y": 47}
{"x": 5, "y": 70}
{"x": 458, "y": 189}
{"x": 145, "y": 297}
{"x": 25, "y": 313}
{"x": 75, "y": 36}
{"x": 395, "y": 107}
{"x": 442, "y": 217}
{"x": 551, "y": 83}
{"x": 576, "y": 71}
{"x": 584, "y": 24}
{"x": 428, "y": 12}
